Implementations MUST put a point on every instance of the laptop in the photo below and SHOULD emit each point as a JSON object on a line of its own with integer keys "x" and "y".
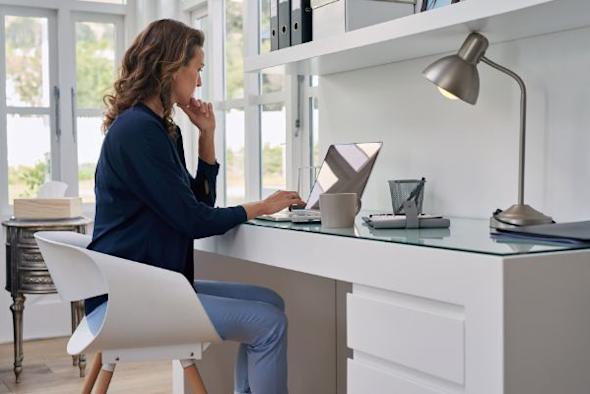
{"x": 346, "y": 169}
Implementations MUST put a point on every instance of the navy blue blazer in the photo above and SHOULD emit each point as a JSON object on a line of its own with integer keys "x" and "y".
{"x": 149, "y": 208}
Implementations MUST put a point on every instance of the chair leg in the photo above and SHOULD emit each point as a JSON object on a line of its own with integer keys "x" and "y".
{"x": 92, "y": 374}
{"x": 104, "y": 379}
{"x": 194, "y": 378}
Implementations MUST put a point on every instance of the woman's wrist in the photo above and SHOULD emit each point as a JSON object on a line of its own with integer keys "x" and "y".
{"x": 206, "y": 133}
{"x": 255, "y": 209}
{"x": 207, "y": 148}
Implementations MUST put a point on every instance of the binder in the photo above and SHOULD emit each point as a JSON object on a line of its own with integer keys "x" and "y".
{"x": 284, "y": 23}
{"x": 301, "y": 21}
{"x": 274, "y": 25}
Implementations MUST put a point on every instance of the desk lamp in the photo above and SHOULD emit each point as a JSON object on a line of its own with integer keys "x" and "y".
{"x": 457, "y": 77}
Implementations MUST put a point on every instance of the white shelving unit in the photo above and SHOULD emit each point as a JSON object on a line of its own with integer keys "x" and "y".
{"x": 424, "y": 34}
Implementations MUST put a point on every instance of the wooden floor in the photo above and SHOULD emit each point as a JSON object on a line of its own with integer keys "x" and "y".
{"x": 47, "y": 369}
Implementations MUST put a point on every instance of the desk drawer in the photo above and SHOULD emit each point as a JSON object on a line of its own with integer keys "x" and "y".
{"x": 35, "y": 282}
{"x": 30, "y": 258}
{"x": 27, "y": 235}
{"x": 419, "y": 338}
{"x": 364, "y": 378}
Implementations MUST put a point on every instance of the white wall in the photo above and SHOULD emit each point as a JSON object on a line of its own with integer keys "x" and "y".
{"x": 469, "y": 154}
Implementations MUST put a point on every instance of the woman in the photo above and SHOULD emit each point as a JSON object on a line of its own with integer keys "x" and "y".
{"x": 149, "y": 208}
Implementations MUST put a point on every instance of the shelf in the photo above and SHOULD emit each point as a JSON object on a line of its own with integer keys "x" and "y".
{"x": 428, "y": 33}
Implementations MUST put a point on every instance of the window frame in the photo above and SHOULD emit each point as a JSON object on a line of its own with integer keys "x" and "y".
{"x": 50, "y": 110}
{"x": 296, "y": 92}
{"x": 64, "y": 150}
{"x": 119, "y": 23}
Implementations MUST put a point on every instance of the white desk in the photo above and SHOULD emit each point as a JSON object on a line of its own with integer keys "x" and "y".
{"x": 442, "y": 311}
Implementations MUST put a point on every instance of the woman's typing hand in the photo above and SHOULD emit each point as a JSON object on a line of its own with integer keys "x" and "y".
{"x": 272, "y": 204}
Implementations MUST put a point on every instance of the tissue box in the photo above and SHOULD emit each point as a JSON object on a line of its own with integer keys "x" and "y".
{"x": 332, "y": 17}
{"x": 47, "y": 208}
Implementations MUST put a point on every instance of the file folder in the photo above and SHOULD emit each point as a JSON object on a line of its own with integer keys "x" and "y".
{"x": 274, "y": 25}
{"x": 301, "y": 14}
{"x": 284, "y": 23}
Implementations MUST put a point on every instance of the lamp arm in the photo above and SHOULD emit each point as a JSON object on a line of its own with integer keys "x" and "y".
{"x": 522, "y": 141}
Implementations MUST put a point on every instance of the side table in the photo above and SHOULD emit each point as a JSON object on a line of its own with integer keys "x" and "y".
{"x": 26, "y": 273}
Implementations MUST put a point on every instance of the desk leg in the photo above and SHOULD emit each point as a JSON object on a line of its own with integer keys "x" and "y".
{"x": 75, "y": 323}
{"x": 17, "y": 309}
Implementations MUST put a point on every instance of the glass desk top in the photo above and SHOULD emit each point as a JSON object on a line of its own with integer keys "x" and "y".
{"x": 468, "y": 235}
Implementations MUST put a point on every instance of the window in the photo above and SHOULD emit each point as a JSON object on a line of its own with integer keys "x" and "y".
{"x": 200, "y": 21}
{"x": 96, "y": 64}
{"x": 50, "y": 106}
{"x": 235, "y": 156}
{"x": 29, "y": 66}
{"x": 259, "y": 155}
{"x": 234, "y": 49}
{"x": 108, "y": 1}
{"x": 274, "y": 148}
{"x": 234, "y": 122}
{"x": 316, "y": 160}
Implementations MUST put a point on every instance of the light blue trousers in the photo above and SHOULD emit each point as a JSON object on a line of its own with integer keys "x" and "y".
{"x": 255, "y": 317}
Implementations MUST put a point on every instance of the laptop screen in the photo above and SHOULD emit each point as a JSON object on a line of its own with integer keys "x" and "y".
{"x": 345, "y": 169}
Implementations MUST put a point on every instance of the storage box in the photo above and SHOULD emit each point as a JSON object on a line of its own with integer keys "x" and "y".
{"x": 47, "y": 208}
{"x": 332, "y": 17}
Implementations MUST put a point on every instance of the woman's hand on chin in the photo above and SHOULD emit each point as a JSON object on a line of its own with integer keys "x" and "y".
{"x": 201, "y": 115}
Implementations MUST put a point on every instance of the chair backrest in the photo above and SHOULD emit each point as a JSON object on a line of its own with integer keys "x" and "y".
{"x": 148, "y": 306}
{"x": 52, "y": 189}
{"x": 74, "y": 274}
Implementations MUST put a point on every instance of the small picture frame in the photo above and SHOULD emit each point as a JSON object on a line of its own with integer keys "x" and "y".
{"x": 432, "y": 4}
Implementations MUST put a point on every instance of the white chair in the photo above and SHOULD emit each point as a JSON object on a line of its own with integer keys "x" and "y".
{"x": 151, "y": 313}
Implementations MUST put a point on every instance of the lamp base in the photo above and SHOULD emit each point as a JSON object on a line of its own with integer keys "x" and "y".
{"x": 518, "y": 215}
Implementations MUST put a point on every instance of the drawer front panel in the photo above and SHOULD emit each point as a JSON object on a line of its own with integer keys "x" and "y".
{"x": 416, "y": 338}
{"x": 30, "y": 258}
{"x": 36, "y": 282}
{"x": 364, "y": 378}
{"x": 27, "y": 235}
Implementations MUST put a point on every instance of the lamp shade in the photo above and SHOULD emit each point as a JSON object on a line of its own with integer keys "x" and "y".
{"x": 456, "y": 76}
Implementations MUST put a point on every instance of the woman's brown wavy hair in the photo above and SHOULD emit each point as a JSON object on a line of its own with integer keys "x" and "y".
{"x": 148, "y": 68}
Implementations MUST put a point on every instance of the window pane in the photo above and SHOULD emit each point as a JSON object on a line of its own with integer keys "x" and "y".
{"x": 315, "y": 81}
{"x": 315, "y": 132}
{"x": 272, "y": 83}
{"x": 108, "y": 1}
{"x": 89, "y": 143}
{"x": 27, "y": 61}
{"x": 273, "y": 139}
{"x": 28, "y": 154}
{"x": 203, "y": 91}
{"x": 234, "y": 49}
{"x": 95, "y": 62}
{"x": 265, "y": 26}
{"x": 235, "y": 181}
